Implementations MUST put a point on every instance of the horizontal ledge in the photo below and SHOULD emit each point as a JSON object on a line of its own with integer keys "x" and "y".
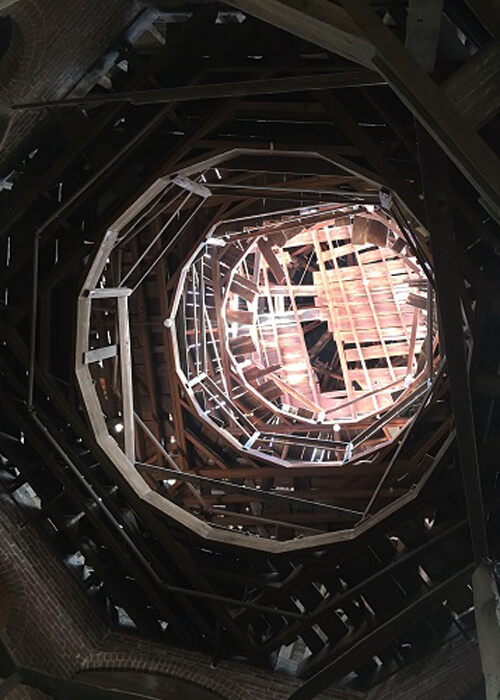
{"x": 109, "y": 292}
{"x": 100, "y": 354}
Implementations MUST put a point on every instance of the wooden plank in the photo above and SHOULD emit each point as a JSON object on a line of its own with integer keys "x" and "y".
{"x": 272, "y": 306}
{"x": 474, "y": 88}
{"x": 274, "y": 264}
{"x": 100, "y": 354}
{"x": 333, "y": 315}
{"x": 242, "y": 291}
{"x": 126, "y": 378}
{"x": 301, "y": 339}
{"x": 195, "y": 92}
{"x": 217, "y": 288}
{"x": 337, "y": 233}
{"x": 366, "y": 230}
{"x": 394, "y": 334}
{"x": 244, "y": 318}
{"x": 374, "y": 352}
{"x": 144, "y": 334}
{"x": 245, "y": 282}
{"x": 359, "y": 231}
{"x": 418, "y": 301}
{"x": 347, "y": 249}
{"x": 306, "y": 290}
{"x": 367, "y": 383}
{"x": 396, "y": 267}
{"x": 109, "y": 293}
{"x": 422, "y": 31}
{"x": 377, "y": 319}
{"x": 253, "y": 372}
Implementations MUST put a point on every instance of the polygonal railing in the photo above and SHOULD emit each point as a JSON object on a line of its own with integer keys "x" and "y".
{"x": 266, "y": 319}
{"x": 299, "y": 350}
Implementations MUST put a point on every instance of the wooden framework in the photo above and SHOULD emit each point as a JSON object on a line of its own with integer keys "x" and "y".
{"x": 244, "y": 370}
{"x": 205, "y": 535}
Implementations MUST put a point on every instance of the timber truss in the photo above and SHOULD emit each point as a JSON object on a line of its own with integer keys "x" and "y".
{"x": 300, "y": 479}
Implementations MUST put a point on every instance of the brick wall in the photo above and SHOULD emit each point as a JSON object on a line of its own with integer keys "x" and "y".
{"x": 53, "y": 626}
{"x": 50, "y": 623}
{"x": 452, "y": 673}
{"x": 230, "y": 680}
{"x": 54, "y": 43}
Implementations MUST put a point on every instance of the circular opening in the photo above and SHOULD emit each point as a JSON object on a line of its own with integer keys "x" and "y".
{"x": 305, "y": 338}
{"x": 266, "y": 378}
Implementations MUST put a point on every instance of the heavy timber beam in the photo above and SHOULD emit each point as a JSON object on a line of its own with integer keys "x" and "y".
{"x": 356, "y": 32}
{"x": 434, "y": 168}
{"x": 247, "y": 88}
{"x": 321, "y": 23}
{"x": 422, "y": 31}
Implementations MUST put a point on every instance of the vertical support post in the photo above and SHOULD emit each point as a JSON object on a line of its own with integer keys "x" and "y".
{"x": 34, "y": 310}
{"x": 434, "y": 167}
{"x": 216, "y": 645}
{"x": 429, "y": 340}
{"x": 126, "y": 378}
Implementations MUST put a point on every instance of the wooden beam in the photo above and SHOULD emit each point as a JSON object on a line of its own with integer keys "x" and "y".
{"x": 422, "y": 31}
{"x": 109, "y": 293}
{"x": 274, "y": 264}
{"x": 144, "y": 334}
{"x": 434, "y": 167}
{"x": 126, "y": 378}
{"x": 300, "y": 335}
{"x": 242, "y": 88}
{"x": 322, "y": 23}
{"x": 426, "y": 100}
{"x": 100, "y": 354}
{"x": 474, "y": 88}
{"x": 217, "y": 288}
{"x": 242, "y": 494}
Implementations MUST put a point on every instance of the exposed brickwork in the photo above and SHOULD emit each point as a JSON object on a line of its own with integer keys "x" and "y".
{"x": 452, "y": 673}
{"x": 230, "y": 680}
{"x": 54, "y": 43}
{"x": 53, "y": 626}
